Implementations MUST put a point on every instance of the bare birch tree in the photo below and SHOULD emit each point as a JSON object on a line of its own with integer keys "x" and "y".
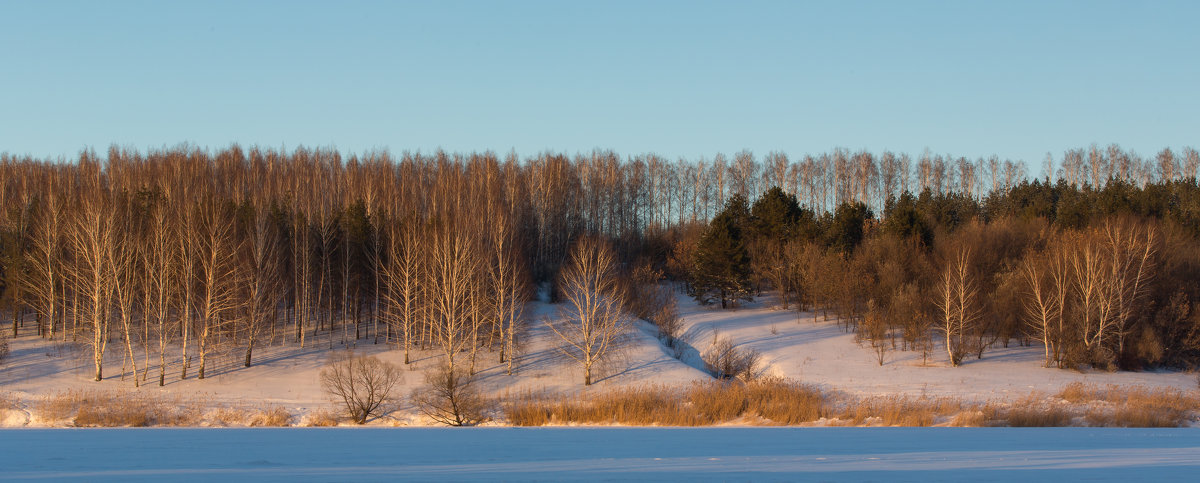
{"x": 593, "y": 322}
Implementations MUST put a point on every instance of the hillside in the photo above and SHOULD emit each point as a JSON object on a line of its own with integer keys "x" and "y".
{"x": 798, "y": 346}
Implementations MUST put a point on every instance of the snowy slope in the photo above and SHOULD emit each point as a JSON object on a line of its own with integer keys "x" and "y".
{"x": 805, "y": 347}
{"x": 799, "y": 346}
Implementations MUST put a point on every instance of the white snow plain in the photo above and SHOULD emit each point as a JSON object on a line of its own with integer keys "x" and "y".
{"x": 572, "y": 454}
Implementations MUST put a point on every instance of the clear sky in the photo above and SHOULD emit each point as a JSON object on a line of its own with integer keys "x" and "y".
{"x": 691, "y": 78}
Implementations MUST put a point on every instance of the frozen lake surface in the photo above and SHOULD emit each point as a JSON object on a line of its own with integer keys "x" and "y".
{"x": 677, "y": 454}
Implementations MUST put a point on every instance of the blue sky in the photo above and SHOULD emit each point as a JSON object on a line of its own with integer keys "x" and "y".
{"x": 1015, "y": 79}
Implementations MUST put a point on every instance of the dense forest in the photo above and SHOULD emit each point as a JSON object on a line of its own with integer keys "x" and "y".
{"x": 171, "y": 256}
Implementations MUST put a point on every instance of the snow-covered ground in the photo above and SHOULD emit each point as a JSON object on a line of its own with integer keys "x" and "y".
{"x": 798, "y": 346}
{"x": 807, "y": 348}
{"x": 564, "y": 454}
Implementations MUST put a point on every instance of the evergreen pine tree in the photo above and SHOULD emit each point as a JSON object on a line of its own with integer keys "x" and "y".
{"x": 722, "y": 262}
{"x": 775, "y": 216}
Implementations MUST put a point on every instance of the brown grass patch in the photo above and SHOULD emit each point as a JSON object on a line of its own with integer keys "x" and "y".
{"x": 1133, "y": 406}
{"x": 323, "y": 417}
{"x": 228, "y": 416}
{"x": 641, "y": 405}
{"x": 973, "y": 418}
{"x": 115, "y": 409}
{"x": 1078, "y": 392}
{"x": 9, "y": 400}
{"x": 271, "y": 416}
{"x": 897, "y": 410}
{"x": 785, "y": 402}
{"x": 1044, "y": 417}
{"x": 248, "y": 416}
{"x": 718, "y": 401}
{"x": 777, "y": 401}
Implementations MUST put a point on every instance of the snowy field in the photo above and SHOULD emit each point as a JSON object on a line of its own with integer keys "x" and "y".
{"x": 800, "y": 346}
{"x": 558, "y": 454}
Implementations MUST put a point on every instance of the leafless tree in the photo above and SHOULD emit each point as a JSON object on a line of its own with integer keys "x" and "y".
{"x": 1167, "y": 167}
{"x": 90, "y": 237}
{"x": 216, "y": 248}
{"x": 1132, "y": 249}
{"x": 453, "y": 267}
{"x": 1191, "y": 164}
{"x": 363, "y": 385}
{"x": 45, "y": 253}
{"x": 451, "y": 397}
{"x": 1042, "y": 308}
{"x": 593, "y": 322}
{"x": 262, "y": 291}
{"x": 956, "y": 298}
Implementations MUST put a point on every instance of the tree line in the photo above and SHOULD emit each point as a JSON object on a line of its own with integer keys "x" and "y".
{"x": 1097, "y": 276}
{"x": 177, "y": 254}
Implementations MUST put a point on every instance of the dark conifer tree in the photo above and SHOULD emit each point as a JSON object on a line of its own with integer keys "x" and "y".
{"x": 722, "y": 262}
{"x": 845, "y": 229}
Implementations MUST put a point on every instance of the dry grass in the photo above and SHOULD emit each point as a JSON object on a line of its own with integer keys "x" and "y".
{"x": 718, "y": 401}
{"x": 1035, "y": 411}
{"x": 973, "y": 418}
{"x": 1133, "y": 406}
{"x": 764, "y": 401}
{"x": 1078, "y": 392}
{"x": 898, "y": 410}
{"x": 1039, "y": 417}
{"x": 228, "y": 416}
{"x": 244, "y": 416}
{"x": 324, "y": 417}
{"x": 86, "y": 408}
{"x": 9, "y": 400}
{"x": 785, "y": 402}
{"x": 644, "y": 406}
{"x": 271, "y": 416}
{"x": 776, "y": 401}
{"x": 116, "y": 409}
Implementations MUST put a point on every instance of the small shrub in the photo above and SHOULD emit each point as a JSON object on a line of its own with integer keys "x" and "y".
{"x": 724, "y": 360}
{"x": 451, "y": 398}
{"x": 361, "y": 384}
{"x": 666, "y": 317}
{"x": 648, "y": 299}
